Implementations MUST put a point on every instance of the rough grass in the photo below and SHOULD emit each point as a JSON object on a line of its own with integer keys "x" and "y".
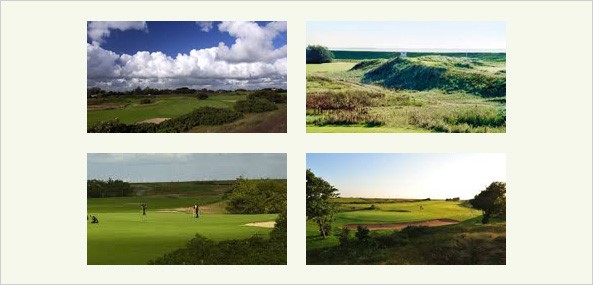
{"x": 339, "y": 101}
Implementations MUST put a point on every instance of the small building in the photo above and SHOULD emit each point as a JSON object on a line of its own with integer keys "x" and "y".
{"x": 403, "y": 54}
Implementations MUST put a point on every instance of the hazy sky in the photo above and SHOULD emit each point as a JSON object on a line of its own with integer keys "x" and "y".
{"x": 410, "y": 35}
{"x": 436, "y": 176}
{"x": 165, "y": 167}
{"x": 173, "y": 54}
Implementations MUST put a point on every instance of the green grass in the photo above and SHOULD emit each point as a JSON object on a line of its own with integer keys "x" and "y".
{"x": 163, "y": 107}
{"x": 395, "y": 212}
{"x": 130, "y": 238}
{"x": 431, "y": 108}
{"x": 469, "y": 242}
{"x": 124, "y": 236}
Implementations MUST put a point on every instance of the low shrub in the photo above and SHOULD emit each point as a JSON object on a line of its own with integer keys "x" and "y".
{"x": 202, "y": 96}
{"x": 254, "y": 105}
{"x": 145, "y": 101}
{"x": 269, "y": 95}
{"x": 200, "y": 116}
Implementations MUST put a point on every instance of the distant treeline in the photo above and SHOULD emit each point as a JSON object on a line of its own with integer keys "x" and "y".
{"x": 111, "y": 188}
{"x": 358, "y": 55}
{"x": 97, "y": 91}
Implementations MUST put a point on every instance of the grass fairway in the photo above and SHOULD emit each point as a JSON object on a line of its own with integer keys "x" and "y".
{"x": 353, "y": 211}
{"x": 130, "y": 111}
{"x": 467, "y": 242}
{"x": 130, "y": 238}
{"x": 425, "y": 92}
{"x": 124, "y": 236}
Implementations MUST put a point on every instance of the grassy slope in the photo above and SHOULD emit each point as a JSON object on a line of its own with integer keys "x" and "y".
{"x": 266, "y": 122}
{"x": 165, "y": 107}
{"x": 403, "y": 110}
{"x": 124, "y": 236}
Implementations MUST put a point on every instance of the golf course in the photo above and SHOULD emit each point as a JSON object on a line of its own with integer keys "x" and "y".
{"x": 124, "y": 235}
{"x": 362, "y": 91}
{"x": 367, "y": 230}
{"x": 144, "y": 111}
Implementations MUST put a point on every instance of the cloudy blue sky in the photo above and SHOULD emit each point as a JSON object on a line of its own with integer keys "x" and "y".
{"x": 409, "y": 35}
{"x": 166, "y": 167}
{"x": 213, "y": 55}
{"x": 414, "y": 175}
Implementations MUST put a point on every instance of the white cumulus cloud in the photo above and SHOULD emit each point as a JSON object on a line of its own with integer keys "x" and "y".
{"x": 205, "y": 26}
{"x": 251, "y": 62}
{"x": 98, "y": 30}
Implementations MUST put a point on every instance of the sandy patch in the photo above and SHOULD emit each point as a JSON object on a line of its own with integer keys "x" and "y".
{"x": 267, "y": 225}
{"x": 188, "y": 210}
{"x": 154, "y": 120}
{"x": 399, "y": 226}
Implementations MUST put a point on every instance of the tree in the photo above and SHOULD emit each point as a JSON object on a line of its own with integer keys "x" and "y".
{"x": 261, "y": 196}
{"x": 319, "y": 54}
{"x": 320, "y": 208}
{"x": 491, "y": 201}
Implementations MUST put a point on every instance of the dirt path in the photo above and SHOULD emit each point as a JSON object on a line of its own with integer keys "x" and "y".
{"x": 268, "y": 225}
{"x": 399, "y": 226}
{"x": 154, "y": 120}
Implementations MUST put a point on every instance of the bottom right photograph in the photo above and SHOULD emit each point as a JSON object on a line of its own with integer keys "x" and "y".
{"x": 406, "y": 208}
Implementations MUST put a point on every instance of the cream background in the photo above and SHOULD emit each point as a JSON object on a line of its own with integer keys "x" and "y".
{"x": 548, "y": 141}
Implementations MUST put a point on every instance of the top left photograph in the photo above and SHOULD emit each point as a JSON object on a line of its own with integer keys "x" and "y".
{"x": 186, "y": 77}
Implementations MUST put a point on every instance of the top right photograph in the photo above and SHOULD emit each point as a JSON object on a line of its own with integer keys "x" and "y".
{"x": 406, "y": 77}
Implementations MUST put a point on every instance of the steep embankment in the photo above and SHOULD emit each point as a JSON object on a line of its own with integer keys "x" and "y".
{"x": 452, "y": 74}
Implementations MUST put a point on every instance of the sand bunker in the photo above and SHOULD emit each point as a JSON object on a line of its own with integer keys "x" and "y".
{"x": 399, "y": 226}
{"x": 154, "y": 120}
{"x": 268, "y": 225}
{"x": 188, "y": 210}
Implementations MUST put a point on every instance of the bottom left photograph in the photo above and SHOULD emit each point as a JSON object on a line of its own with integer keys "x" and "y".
{"x": 186, "y": 208}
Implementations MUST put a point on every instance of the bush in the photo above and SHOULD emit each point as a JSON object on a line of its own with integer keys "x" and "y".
{"x": 269, "y": 95}
{"x": 319, "y": 54}
{"x": 110, "y": 126}
{"x": 201, "y": 116}
{"x": 201, "y": 251}
{"x": 145, "y": 101}
{"x": 202, "y": 96}
{"x": 254, "y": 105}
{"x": 362, "y": 233}
{"x": 257, "y": 197}
{"x": 344, "y": 236}
{"x": 208, "y": 116}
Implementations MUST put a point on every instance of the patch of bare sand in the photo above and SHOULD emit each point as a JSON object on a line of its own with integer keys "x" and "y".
{"x": 267, "y": 225}
{"x": 399, "y": 226}
{"x": 154, "y": 120}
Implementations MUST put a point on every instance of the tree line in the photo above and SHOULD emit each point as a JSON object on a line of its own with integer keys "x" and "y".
{"x": 96, "y": 188}
{"x": 138, "y": 91}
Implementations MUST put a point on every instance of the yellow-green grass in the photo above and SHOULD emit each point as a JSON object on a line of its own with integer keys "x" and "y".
{"x": 130, "y": 238}
{"x": 124, "y": 236}
{"x": 163, "y": 107}
{"x": 395, "y": 212}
